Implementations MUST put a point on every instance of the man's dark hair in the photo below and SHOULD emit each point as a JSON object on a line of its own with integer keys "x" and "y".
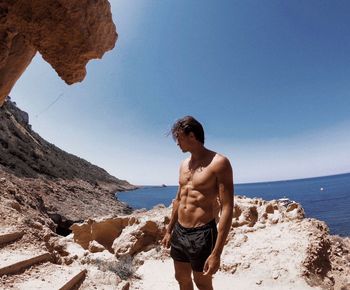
{"x": 187, "y": 125}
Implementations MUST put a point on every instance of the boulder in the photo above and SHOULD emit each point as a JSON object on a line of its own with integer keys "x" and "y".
{"x": 124, "y": 236}
{"x": 294, "y": 211}
{"x": 140, "y": 237}
{"x": 95, "y": 247}
{"x": 103, "y": 231}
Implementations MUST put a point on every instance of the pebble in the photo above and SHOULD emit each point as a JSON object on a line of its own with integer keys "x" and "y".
{"x": 275, "y": 275}
{"x": 125, "y": 286}
{"x": 259, "y": 282}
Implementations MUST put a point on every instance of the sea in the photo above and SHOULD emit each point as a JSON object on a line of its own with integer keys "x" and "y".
{"x": 325, "y": 198}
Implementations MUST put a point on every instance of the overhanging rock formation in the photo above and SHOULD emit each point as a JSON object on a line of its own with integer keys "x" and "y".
{"x": 67, "y": 33}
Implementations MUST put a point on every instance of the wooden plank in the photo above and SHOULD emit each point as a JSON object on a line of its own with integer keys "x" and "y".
{"x": 19, "y": 266}
{"x": 10, "y": 237}
{"x": 76, "y": 280}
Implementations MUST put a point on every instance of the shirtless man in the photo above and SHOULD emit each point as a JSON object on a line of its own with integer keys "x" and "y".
{"x": 205, "y": 178}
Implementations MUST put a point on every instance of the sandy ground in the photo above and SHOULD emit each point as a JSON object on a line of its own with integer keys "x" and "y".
{"x": 160, "y": 275}
{"x": 41, "y": 277}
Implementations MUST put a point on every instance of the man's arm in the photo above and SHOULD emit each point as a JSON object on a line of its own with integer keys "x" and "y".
{"x": 173, "y": 219}
{"x": 225, "y": 184}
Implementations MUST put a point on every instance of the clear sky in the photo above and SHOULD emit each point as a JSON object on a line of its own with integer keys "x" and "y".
{"x": 269, "y": 80}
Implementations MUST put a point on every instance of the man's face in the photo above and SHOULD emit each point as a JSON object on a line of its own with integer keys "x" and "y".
{"x": 183, "y": 141}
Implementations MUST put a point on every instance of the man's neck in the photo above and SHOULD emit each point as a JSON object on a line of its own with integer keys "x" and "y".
{"x": 198, "y": 153}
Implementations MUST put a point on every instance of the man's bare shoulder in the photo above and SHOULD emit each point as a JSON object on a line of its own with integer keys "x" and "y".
{"x": 221, "y": 162}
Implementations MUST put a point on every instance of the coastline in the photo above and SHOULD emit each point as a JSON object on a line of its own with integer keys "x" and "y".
{"x": 319, "y": 204}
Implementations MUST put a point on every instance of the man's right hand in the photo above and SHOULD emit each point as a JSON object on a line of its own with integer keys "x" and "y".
{"x": 166, "y": 240}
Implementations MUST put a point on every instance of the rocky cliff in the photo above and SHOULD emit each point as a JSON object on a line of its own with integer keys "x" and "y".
{"x": 37, "y": 174}
{"x": 67, "y": 33}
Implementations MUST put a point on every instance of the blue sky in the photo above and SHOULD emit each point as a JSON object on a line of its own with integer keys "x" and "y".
{"x": 269, "y": 80}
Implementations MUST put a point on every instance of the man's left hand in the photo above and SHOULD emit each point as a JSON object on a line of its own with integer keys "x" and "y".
{"x": 211, "y": 265}
{"x": 166, "y": 240}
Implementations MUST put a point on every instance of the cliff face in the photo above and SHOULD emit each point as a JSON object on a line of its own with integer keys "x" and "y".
{"x": 67, "y": 33}
{"x": 26, "y": 154}
{"x": 36, "y": 173}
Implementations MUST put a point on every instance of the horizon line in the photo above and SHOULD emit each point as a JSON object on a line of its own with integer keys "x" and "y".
{"x": 256, "y": 182}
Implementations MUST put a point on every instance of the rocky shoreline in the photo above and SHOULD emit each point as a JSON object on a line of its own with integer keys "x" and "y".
{"x": 270, "y": 246}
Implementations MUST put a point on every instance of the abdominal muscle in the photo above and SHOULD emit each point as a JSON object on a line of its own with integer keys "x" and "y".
{"x": 196, "y": 208}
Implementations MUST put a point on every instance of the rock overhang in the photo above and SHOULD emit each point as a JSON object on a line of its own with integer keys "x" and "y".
{"x": 67, "y": 33}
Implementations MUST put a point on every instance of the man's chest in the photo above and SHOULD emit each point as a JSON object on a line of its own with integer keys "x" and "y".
{"x": 200, "y": 178}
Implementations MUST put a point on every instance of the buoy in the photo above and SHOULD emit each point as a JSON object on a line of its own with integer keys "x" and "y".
{"x": 321, "y": 188}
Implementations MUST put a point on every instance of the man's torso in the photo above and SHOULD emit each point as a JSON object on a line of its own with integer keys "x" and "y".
{"x": 198, "y": 191}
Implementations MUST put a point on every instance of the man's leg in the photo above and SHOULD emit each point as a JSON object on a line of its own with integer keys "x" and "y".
{"x": 183, "y": 275}
{"x": 203, "y": 282}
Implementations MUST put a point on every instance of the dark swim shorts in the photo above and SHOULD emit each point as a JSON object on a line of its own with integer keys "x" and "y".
{"x": 193, "y": 245}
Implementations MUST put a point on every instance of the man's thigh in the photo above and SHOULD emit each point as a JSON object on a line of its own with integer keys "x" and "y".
{"x": 183, "y": 270}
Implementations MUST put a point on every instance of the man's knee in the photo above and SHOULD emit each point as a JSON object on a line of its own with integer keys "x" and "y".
{"x": 203, "y": 282}
{"x": 200, "y": 284}
{"x": 183, "y": 278}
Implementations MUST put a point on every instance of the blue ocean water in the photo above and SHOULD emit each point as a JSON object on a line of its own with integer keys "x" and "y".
{"x": 324, "y": 198}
